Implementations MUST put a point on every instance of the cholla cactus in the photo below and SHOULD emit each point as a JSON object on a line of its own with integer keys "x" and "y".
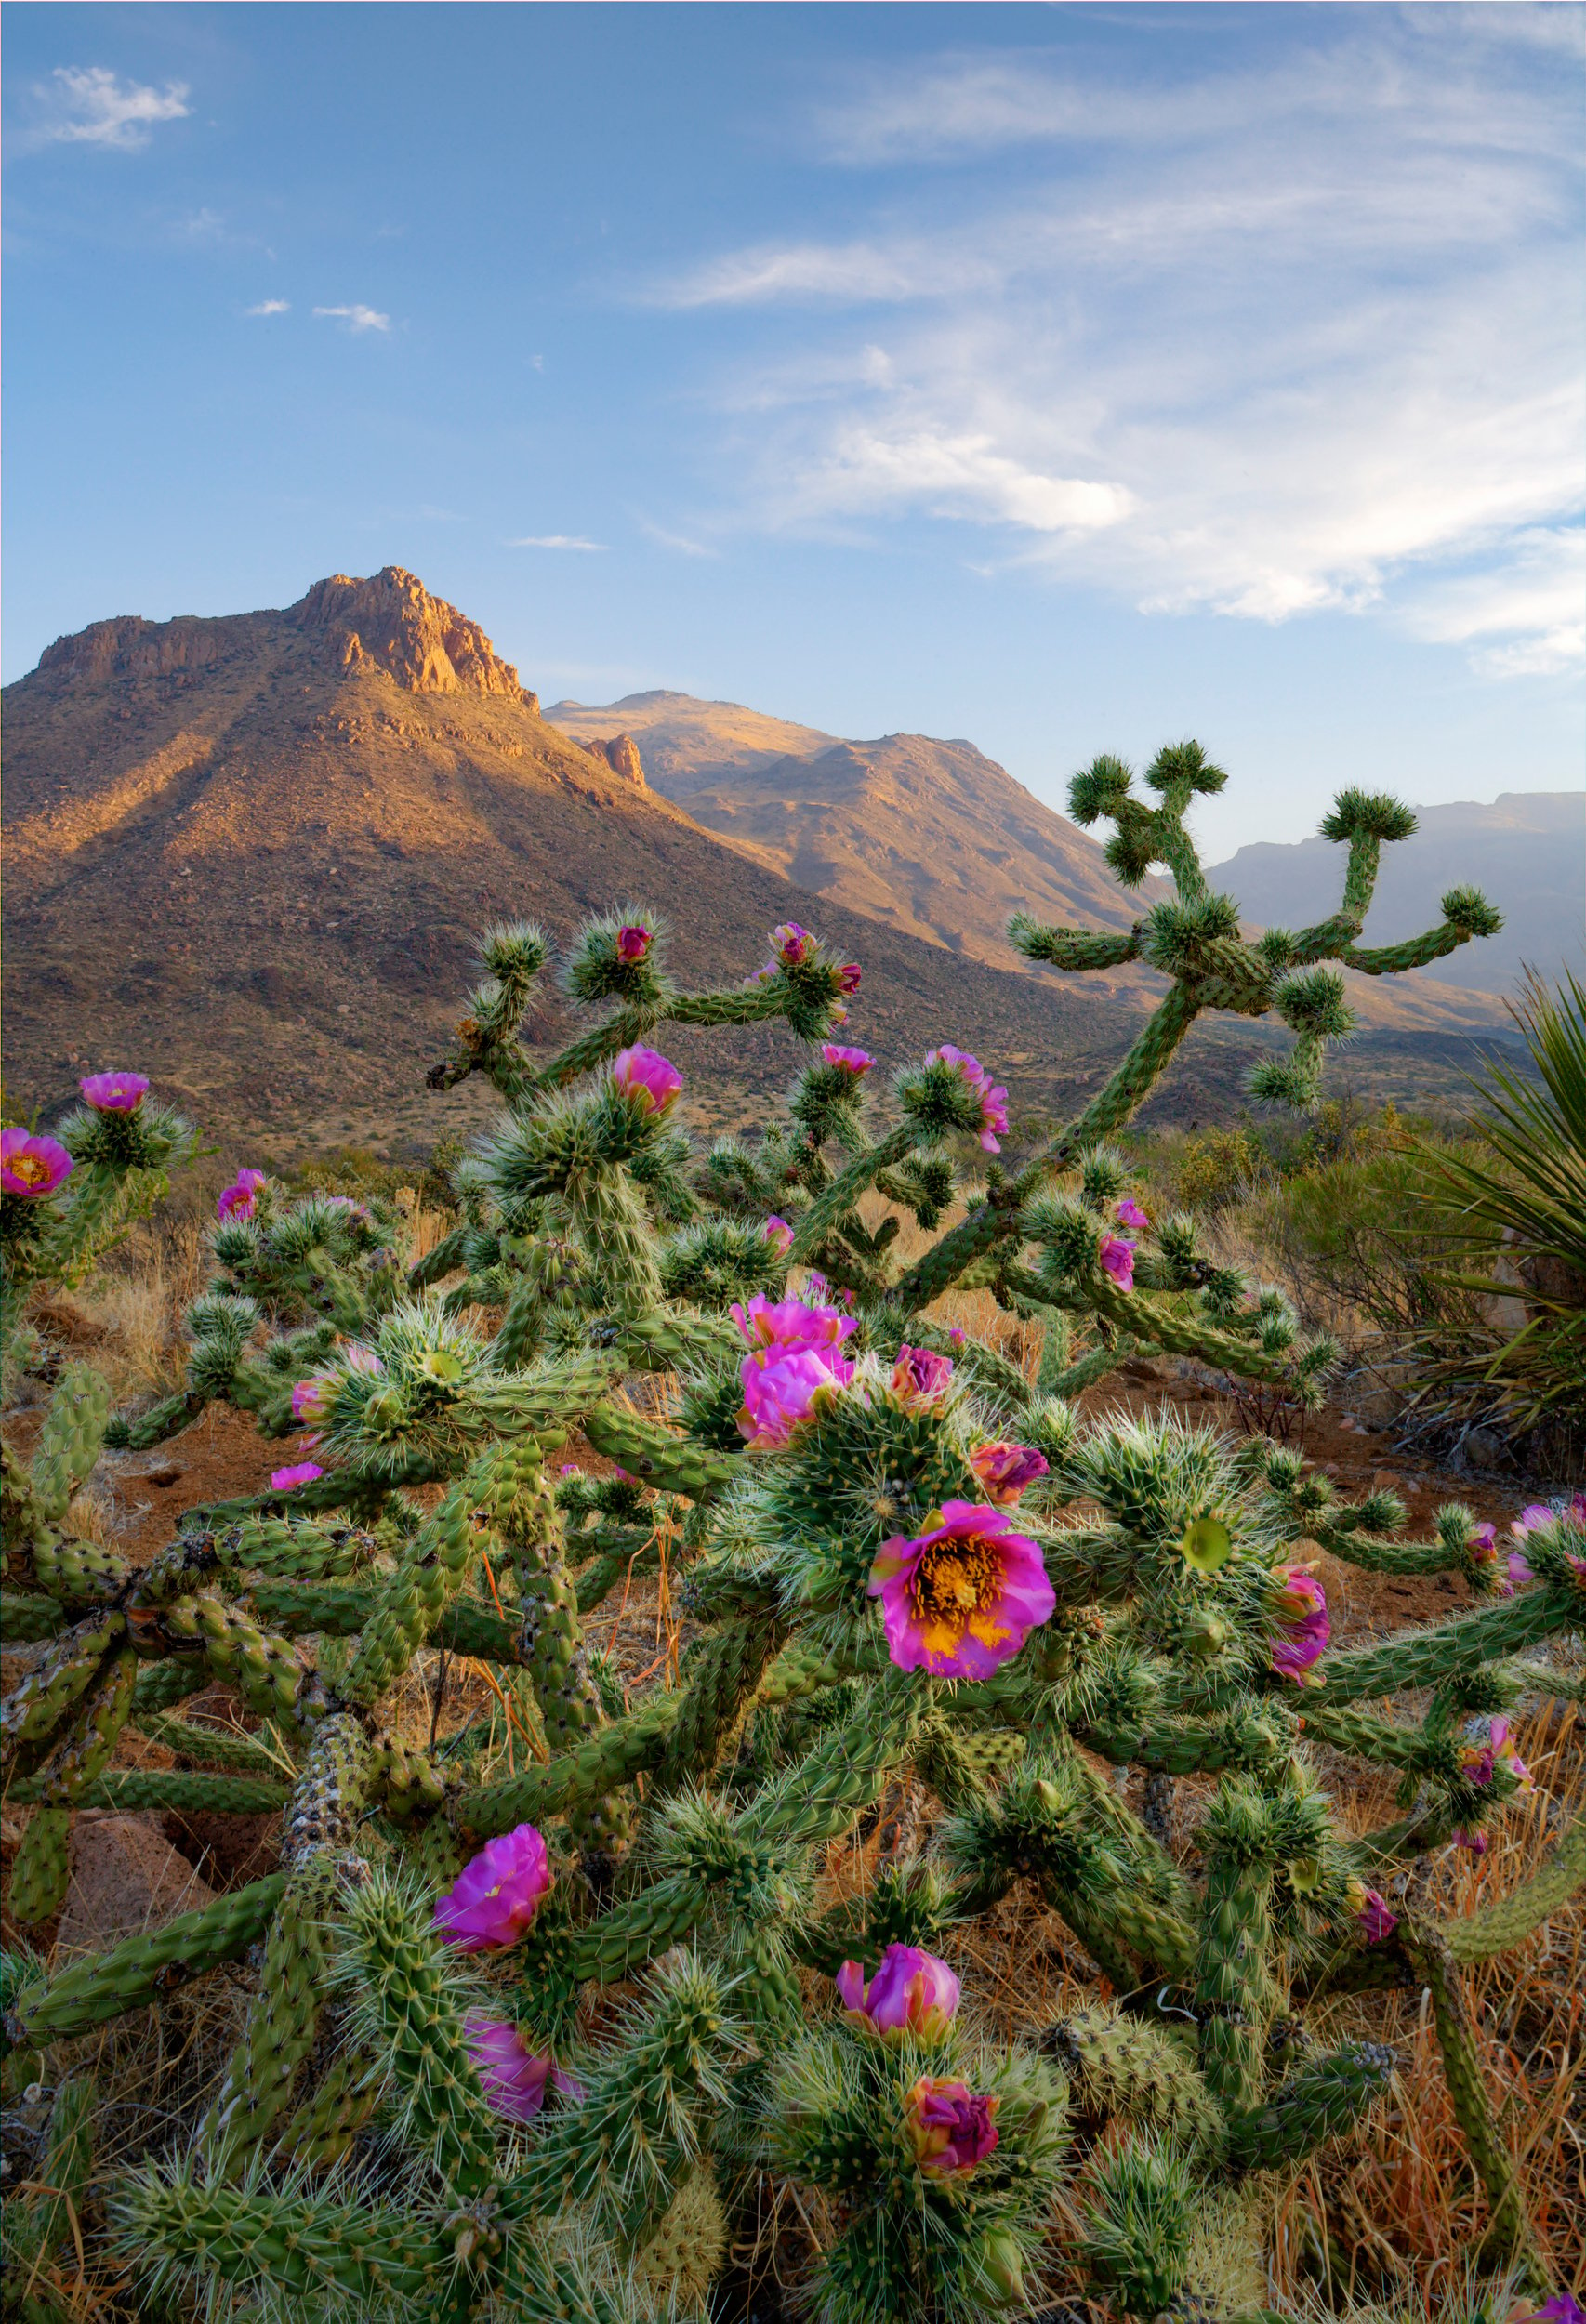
{"x": 902, "y": 1558}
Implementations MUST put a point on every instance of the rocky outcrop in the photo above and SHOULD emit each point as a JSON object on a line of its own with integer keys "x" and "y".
{"x": 391, "y": 622}
{"x": 620, "y": 753}
{"x": 388, "y": 622}
{"x": 126, "y": 1878}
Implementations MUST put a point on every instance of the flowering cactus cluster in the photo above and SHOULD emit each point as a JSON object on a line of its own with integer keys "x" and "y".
{"x": 902, "y": 1560}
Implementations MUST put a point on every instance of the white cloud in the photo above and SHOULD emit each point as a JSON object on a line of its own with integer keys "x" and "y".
{"x": 555, "y": 540}
{"x": 684, "y": 542}
{"x": 271, "y": 307}
{"x": 91, "y": 105}
{"x": 1300, "y": 339}
{"x": 358, "y": 318}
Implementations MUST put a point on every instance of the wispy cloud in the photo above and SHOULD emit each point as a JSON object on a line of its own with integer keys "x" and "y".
{"x": 358, "y": 318}
{"x": 271, "y": 307}
{"x": 1299, "y": 337}
{"x": 555, "y": 540}
{"x": 91, "y": 105}
{"x": 684, "y": 542}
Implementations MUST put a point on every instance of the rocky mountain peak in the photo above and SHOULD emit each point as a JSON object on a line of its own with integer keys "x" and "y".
{"x": 391, "y": 622}
{"x": 620, "y": 753}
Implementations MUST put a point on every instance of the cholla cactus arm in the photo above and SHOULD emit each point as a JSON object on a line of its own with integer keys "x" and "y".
{"x": 1325, "y": 2098}
{"x": 608, "y": 1758}
{"x": 1466, "y": 913}
{"x": 1130, "y": 2069}
{"x": 433, "y": 1569}
{"x": 1498, "y": 1927}
{"x": 829, "y": 1207}
{"x": 408, "y": 2007}
{"x": 1509, "y": 2235}
{"x": 134, "y": 1972}
{"x": 720, "y": 1674}
{"x": 1137, "y": 2231}
{"x": 128, "y": 1790}
{"x": 1426, "y": 1658}
{"x": 1234, "y": 1986}
{"x": 27, "y": 1620}
{"x": 282, "y": 2019}
{"x": 657, "y": 1455}
{"x": 41, "y": 1868}
{"x": 180, "y": 2230}
{"x": 324, "y": 2127}
{"x": 70, "y": 1440}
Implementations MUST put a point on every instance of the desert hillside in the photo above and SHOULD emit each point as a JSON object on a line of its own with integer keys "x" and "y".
{"x": 935, "y": 839}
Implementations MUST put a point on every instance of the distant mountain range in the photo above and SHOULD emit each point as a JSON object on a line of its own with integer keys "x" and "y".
{"x": 935, "y": 838}
{"x": 251, "y": 856}
{"x": 1526, "y": 852}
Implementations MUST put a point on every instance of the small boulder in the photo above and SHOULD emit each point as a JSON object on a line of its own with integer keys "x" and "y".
{"x": 126, "y": 1878}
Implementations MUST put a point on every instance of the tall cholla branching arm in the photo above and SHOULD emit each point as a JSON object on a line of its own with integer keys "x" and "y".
{"x": 892, "y": 1574}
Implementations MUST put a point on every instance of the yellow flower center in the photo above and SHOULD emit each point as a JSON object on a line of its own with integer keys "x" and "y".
{"x": 952, "y": 1587}
{"x": 31, "y": 1167}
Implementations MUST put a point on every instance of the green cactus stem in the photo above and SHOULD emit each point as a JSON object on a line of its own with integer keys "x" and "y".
{"x": 142, "y": 1967}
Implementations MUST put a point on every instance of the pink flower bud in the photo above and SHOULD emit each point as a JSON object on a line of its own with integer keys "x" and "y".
{"x": 848, "y": 1060}
{"x": 650, "y": 1079}
{"x": 632, "y": 943}
{"x": 779, "y": 1235}
{"x": 951, "y": 2127}
{"x": 912, "y": 1992}
{"x": 1006, "y": 1470}
{"x": 920, "y": 1377}
{"x": 791, "y": 944}
{"x": 1118, "y": 1261}
{"x": 288, "y": 1479}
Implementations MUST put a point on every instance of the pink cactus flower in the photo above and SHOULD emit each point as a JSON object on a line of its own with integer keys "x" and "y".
{"x": 781, "y": 1392}
{"x": 362, "y": 1359}
{"x": 1376, "y": 1919}
{"x": 568, "y": 1469}
{"x": 237, "y": 1201}
{"x": 650, "y": 1079}
{"x": 1476, "y": 1843}
{"x": 848, "y": 978}
{"x": 912, "y": 1992}
{"x": 957, "y": 1335}
{"x": 114, "y": 1094}
{"x": 1131, "y": 1214}
{"x": 959, "y": 1599}
{"x": 1563, "y": 2308}
{"x": 791, "y": 944}
{"x": 789, "y": 1326}
{"x": 632, "y": 943}
{"x": 1300, "y": 1605}
{"x": 497, "y": 1894}
{"x": 30, "y": 1166}
{"x": 1479, "y": 1761}
{"x": 1482, "y": 1550}
{"x": 1005, "y": 1470}
{"x": 1519, "y": 1571}
{"x": 1118, "y": 1261}
{"x": 853, "y": 1061}
{"x": 837, "y": 1013}
{"x": 301, "y": 1472}
{"x": 312, "y": 1398}
{"x": 513, "y": 2079}
{"x": 950, "y": 2127}
{"x": 920, "y": 1377}
{"x": 779, "y": 1235}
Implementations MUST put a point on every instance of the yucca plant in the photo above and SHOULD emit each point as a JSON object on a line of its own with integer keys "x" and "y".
{"x": 1521, "y": 1186}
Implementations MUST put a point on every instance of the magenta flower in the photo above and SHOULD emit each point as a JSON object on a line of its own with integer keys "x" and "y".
{"x": 288, "y": 1479}
{"x": 1478, "y": 1761}
{"x": 1563, "y": 2308}
{"x": 1118, "y": 1261}
{"x": 1005, "y": 1470}
{"x": 957, "y": 1335}
{"x": 513, "y": 2079}
{"x": 781, "y": 1391}
{"x": 849, "y": 1061}
{"x": 1476, "y": 1842}
{"x": 650, "y": 1079}
{"x": 1375, "y": 1917}
{"x": 30, "y": 1166}
{"x": 789, "y": 1327}
{"x": 779, "y": 1235}
{"x": 632, "y": 943}
{"x": 497, "y": 1894}
{"x": 1131, "y": 1214}
{"x": 312, "y": 1398}
{"x": 1482, "y": 1550}
{"x": 1519, "y": 1571}
{"x": 950, "y": 2126}
{"x": 920, "y": 1377}
{"x": 911, "y": 1992}
{"x": 792, "y": 944}
{"x": 114, "y": 1094}
{"x": 238, "y": 1199}
{"x": 960, "y": 1599}
{"x": 848, "y": 978}
{"x": 1300, "y": 1605}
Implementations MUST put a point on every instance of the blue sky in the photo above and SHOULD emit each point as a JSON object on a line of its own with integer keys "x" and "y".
{"x": 1066, "y": 378}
